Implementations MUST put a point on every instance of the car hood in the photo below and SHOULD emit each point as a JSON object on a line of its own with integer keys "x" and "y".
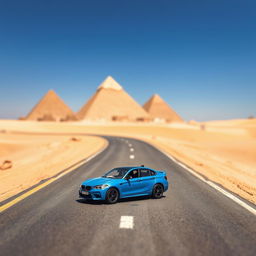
{"x": 99, "y": 181}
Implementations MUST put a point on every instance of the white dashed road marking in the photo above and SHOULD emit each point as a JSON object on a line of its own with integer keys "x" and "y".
{"x": 126, "y": 222}
{"x": 132, "y": 156}
{"x": 130, "y": 145}
{"x": 131, "y": 149}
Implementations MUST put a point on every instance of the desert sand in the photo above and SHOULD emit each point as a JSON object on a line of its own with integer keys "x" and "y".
{"x": 30, "y": 158}
{"x": 222, "y": 151}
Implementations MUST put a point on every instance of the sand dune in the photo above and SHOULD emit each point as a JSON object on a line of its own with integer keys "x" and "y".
{"x": 38, "y": 157}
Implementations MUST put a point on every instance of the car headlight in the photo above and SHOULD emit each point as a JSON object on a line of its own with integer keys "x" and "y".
{"x": 101, "y": 186}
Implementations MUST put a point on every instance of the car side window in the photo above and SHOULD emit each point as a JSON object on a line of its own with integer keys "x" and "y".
{"x": 152, "y": 173}
{"x": 133, "y": 174}
{"x": 145, "y": 173}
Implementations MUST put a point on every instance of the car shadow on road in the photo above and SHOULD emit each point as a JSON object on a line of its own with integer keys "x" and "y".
{"x": 123, "y": 200}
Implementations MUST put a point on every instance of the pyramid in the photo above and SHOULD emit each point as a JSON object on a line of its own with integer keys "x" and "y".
{"x": 112, "y": 103}
{"x": 160, "y": 110}
{"x": 51, "y": 108}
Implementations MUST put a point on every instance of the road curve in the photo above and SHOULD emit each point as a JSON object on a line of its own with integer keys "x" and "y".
{"x": 192, "y": 218}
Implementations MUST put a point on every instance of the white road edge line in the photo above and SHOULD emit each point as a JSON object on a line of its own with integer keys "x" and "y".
{"x": 213, "y": 185}
{"x": 126, "y": 222}
{"x": 132, "y": 156}
{"x": 85, "y": 161}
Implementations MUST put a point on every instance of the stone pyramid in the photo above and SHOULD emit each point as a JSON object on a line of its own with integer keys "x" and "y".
{"x": 51, "y": 108}
{"x": 160, "y": 110}
{"x": 112, "y": 103}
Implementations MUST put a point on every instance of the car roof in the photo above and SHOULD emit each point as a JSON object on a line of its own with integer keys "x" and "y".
{"x": 132, "y": 167}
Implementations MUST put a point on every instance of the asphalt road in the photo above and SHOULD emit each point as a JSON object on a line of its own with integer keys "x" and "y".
{"x": 192, "y": 218}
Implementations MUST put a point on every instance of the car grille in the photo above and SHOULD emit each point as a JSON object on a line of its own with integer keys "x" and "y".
{"x": 85, "y": 196}
{"x": 86, "y": 188}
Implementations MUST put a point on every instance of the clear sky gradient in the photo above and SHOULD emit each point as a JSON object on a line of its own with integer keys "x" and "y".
{"x": 200, "y": 56}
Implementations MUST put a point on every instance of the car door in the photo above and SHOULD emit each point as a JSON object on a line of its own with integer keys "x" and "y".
{"x": 131, "y": 186}
{"x": 147, "y": 181}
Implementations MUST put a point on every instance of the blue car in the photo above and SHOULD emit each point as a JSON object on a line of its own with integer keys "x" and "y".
{"x": 124, "y": 182}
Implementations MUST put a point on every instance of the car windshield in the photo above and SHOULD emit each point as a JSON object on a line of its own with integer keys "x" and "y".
{"x": 117, "y": 173}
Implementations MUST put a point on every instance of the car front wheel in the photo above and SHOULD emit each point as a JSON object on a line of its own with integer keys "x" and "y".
{"x": 112, "y": 196}
{"x": 158, "y": 191}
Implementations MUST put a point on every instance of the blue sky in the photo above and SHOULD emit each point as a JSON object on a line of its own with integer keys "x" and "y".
{"x": 200, "y": 56}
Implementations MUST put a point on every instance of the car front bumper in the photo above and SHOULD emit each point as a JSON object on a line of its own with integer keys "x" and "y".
{"x": 94, "y": 194}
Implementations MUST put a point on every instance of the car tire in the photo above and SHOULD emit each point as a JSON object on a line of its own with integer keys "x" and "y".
{"x": 158, "y": 191}
{"x": 112, "y": 196}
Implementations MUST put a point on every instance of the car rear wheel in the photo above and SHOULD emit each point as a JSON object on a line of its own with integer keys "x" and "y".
{"x": 112, "y": 196}
{"x": 158, "y": 191}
